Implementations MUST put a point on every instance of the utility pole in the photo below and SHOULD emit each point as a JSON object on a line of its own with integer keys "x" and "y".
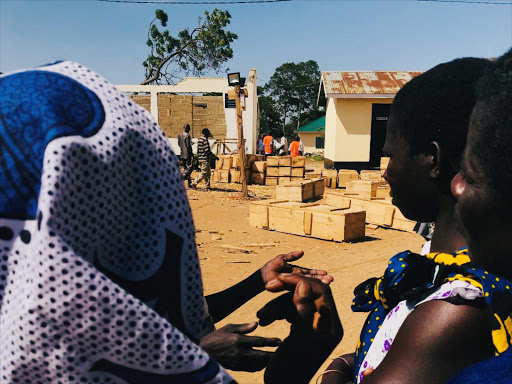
{"x": 241, "y": 143}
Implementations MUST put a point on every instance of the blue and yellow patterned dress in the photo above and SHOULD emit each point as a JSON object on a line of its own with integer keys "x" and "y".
{"x": 413, "y": 279}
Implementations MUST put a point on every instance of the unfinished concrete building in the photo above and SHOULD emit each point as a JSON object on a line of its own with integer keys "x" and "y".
{"x": 201, "y": 102}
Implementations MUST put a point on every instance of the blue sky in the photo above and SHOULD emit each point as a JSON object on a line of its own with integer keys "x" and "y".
{"x": 339, "y": 35}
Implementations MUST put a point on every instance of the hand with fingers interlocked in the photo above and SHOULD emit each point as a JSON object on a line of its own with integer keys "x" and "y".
{"x": 231, "y": 345}
{"x": 281, "y": 264}
{"x": 310, "y": 305}
{"x": 315, "y": 327}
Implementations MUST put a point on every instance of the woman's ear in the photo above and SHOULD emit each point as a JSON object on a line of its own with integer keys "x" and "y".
{"x": 433, "y": 158}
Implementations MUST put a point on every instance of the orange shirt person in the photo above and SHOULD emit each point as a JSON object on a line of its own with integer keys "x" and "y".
{"x": 296, "y": 148}
{"x": 268, "y": 143}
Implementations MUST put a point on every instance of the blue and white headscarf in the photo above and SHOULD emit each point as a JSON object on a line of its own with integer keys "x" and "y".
{"x": 99, "y": 275}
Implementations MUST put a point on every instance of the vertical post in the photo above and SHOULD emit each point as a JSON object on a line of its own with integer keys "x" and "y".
{"x": 241, "y": 145}
{"x": 192, "y": 110}
{"x": 154, "y": 105}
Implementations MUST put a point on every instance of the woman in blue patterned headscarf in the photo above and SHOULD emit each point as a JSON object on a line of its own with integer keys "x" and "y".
{"x": 99, "y": 276}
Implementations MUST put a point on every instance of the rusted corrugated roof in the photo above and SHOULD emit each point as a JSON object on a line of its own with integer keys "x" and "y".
{"x": 365, "y": 82}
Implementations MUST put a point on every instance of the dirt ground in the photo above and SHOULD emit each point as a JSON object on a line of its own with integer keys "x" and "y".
{"x": 222, "y": 219}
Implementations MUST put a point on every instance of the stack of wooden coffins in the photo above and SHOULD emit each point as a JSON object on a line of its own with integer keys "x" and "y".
{"x": 379, "y": 211}
{"x": 308, "y": 219}
{"x": 293, "y": 211}
{"x": 302, "y": 208}
{"x": 281, "y": 169}
{"x": 258, "y": 172}
{"x": 333, "y": 178}
{"x": 274, "y": 171}
{"x": 301, "y": 190}
{"x": 228, "y": 168}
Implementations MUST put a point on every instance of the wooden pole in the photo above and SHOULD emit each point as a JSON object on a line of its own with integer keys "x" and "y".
{"x": 241, "y": 146}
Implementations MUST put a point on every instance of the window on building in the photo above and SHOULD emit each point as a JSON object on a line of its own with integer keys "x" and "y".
{"x": 229, "y": 103}
{"x": 320, "y": 142}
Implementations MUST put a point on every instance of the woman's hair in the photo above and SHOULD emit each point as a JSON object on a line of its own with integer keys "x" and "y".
{"x": 436, "y": 106}
{"x": 492, "y": 118}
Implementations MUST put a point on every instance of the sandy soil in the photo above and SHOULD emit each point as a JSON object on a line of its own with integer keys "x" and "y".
{"x": 222, "y": 218}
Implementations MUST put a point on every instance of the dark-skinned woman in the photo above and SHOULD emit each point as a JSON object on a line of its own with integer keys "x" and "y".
{"x": 483, "y": 210}
{"x": 418, "y": 319}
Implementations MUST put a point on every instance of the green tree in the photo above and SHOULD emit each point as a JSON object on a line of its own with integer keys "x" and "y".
{"x": 206, "y": 47}
{"x": 294, "y": 89}
{"x": 269, "y": 114}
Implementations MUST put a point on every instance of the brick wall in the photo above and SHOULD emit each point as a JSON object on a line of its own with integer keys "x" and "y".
{"x": 143, "y": 100}
{"x": 174, "y": 111}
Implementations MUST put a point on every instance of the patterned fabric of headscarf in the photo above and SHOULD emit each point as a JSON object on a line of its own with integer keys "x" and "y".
{"x": 411, "y": 275}
{"x": 99, "y": 275}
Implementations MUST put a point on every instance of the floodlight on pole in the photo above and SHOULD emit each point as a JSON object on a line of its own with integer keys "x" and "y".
{"x": 233, "y": 79}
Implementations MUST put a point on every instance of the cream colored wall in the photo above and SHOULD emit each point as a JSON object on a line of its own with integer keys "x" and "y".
{"x": 348, "y": 128}
{"x": 331, "y": 121}
{"x": 309, "y": 141}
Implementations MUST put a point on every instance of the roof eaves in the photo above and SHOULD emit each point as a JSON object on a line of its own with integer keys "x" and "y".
{"x": 361, "y": 96}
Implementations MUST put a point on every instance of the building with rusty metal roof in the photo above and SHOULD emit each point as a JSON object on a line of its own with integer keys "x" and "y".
{"x": 357, "y": 109}
{"x": 367, "y": 84}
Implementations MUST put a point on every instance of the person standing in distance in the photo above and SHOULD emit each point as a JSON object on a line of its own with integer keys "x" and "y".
{"x": 269, "y": 145}
{"x": 283, "y": 150}
{"x": 204, "y": 154}
{"x": 261, "y": 146}
{"x": 186, "y": 154}
{"x": 296, "y": 147}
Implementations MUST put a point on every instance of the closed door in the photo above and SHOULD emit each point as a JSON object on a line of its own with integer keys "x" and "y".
{"x": 380, "y": 115}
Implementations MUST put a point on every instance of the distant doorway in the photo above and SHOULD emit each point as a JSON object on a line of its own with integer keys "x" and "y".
{"x": 380, "y": 115}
